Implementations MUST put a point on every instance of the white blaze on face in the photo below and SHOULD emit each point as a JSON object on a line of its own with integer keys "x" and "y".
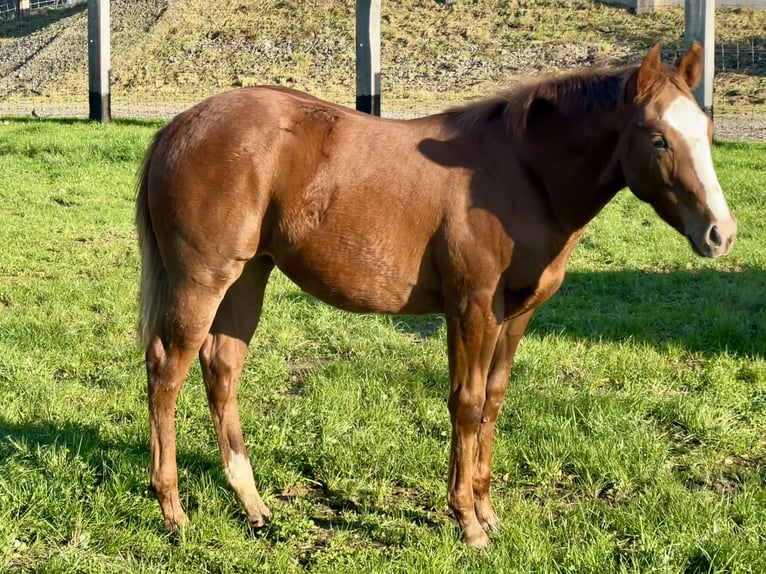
{"x": 691, "y": 123}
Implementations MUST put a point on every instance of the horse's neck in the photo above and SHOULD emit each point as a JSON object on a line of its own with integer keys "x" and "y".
{"x": 580, "y": 172}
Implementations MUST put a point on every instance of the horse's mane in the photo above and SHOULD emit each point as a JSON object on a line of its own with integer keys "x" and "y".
{"x": 569, "y": 94}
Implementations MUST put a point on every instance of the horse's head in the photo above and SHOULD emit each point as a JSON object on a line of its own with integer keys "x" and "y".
{"x": 665, "y": 153}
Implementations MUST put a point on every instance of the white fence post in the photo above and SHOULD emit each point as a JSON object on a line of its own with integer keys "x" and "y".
{"x": 368, "y": 56}
{"x": 99, "y": 66}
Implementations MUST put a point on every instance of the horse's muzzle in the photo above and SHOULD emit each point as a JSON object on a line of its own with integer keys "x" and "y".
{"x": 716, "y": 240}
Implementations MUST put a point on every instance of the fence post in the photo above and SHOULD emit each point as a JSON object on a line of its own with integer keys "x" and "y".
{"x": 643, "y": 7}
{"x": 22, "y": 9}
{"x": 368, "y": 56}
{"x": 99, "y": 56}
{"x": 699, "y": 22}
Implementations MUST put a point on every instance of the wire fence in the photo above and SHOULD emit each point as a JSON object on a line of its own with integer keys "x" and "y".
{"x": 746, "y": 58}
{"x": 15, "y": 10}
{"x": 44, "y": 66}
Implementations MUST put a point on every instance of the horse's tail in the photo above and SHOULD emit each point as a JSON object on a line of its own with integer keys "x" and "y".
{"x": 154, "y": 277}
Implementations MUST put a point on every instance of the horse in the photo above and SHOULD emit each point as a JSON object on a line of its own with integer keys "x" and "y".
{"x": 471, "y": 213}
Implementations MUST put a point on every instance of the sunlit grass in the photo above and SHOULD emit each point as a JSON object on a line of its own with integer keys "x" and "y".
{"x": 632, "y": 438}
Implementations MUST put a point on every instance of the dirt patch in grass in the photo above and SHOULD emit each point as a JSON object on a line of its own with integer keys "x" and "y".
{"x": 726, "y": 476}
{"x": 334, "y": 513}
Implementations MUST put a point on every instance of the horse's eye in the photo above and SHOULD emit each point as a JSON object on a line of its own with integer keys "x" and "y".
{"x": 660, "y": 142}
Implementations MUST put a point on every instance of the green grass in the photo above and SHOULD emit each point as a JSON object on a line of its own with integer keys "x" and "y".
{"x": 632, "y": 438}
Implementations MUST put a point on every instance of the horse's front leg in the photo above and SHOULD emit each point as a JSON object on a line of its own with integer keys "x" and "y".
{"x": 497, "y": 383}
{"x": 472, "y": 335}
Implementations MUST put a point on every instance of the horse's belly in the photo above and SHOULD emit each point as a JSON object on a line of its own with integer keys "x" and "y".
{"x": 364, "y": 252}
{"x": 350, "y": 278}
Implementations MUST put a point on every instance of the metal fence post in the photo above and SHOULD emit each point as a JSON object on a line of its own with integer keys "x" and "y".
{"x": 99, "y": 66}
{"x": 699, "y": 22}
{"x": 368, "y": 56}
{"x": 22, "y": 9}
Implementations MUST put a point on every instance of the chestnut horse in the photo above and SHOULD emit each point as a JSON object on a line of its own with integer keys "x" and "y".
{"x": 472, "y": 213}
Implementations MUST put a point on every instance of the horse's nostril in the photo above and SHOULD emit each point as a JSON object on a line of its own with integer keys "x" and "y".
{"x": 715, "y": 236}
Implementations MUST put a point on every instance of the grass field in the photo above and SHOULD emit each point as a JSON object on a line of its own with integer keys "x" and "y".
{"x": 633, "y": 437}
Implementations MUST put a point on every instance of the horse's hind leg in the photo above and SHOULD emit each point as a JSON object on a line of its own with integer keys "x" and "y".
{"x": 190, "y": 311}
{"x": 222, "y": 357}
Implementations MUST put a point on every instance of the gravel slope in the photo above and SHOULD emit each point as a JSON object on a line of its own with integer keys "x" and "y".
{"x": 53, "y": 53}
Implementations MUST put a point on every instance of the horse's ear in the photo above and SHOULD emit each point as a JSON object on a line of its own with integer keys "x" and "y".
{"x": 649, "y": 71}
{"x": 690, "y": 66}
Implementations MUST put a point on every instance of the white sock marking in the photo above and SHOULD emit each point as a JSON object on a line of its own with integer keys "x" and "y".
{"x": 240, "y": 474}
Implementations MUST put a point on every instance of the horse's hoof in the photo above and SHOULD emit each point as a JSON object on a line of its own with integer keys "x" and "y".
{"x": 476, "y": 538}
{"x": 491, "y": 525}
{"x": 175, "y": 523}
{"x": 488, "y": 520}
{"x": 259, "y": 521}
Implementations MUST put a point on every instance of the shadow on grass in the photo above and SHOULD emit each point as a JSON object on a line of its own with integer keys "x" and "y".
{"x": 86, "y": 442}
{"x": 334, "y": 509}
{"x": 384, "y": 522}
{"x": 705, "y": 311}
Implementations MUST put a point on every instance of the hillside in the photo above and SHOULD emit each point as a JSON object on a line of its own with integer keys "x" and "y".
{"x": 165, "y": 50}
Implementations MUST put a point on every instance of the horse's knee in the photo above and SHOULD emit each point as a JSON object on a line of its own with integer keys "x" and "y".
{"x": 159, "y": 370}
{"x": 481, "y": 483}
{"x": 207, "y": 357}
{"x": 217, "y": 365}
